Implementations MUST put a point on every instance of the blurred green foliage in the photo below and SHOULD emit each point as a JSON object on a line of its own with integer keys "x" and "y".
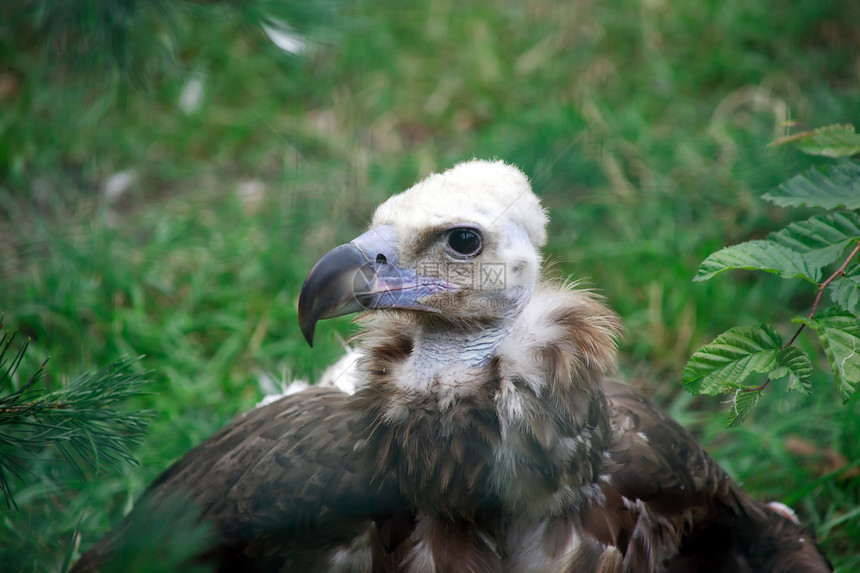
{"x": 175, "y": 215}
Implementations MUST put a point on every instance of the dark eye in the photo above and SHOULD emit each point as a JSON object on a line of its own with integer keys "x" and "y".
{"x": 464, "y": 241}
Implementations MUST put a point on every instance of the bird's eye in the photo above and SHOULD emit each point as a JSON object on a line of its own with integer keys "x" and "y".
{"x": 464, "y": 241}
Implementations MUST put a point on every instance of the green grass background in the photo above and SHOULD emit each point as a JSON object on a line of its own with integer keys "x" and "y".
{"x": 643, "y": 125}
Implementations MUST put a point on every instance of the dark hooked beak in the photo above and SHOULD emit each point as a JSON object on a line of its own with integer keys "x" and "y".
{"x": 363, "y": 274}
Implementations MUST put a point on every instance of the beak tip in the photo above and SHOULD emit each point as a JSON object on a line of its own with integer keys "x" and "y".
{"x": 307, "y": 321}
{"x": 328, "y": 289}
{"x": 308, "y": 333}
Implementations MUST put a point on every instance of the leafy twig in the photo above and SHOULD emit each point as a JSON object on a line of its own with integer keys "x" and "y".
{"x": 801, "y": 250}
{"x": 821, "y": 288}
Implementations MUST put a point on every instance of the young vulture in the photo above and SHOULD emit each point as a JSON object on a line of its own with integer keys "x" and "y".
{"x": 483, "y": 434}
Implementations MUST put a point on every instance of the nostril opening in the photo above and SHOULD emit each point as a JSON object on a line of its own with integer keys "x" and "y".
{"x": 380, "y": 258}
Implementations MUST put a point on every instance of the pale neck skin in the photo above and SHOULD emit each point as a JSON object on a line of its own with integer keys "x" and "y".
{"x": 448, "y": 357}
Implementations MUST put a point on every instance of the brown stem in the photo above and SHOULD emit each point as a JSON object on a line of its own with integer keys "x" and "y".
{"x": 758, "y": 388}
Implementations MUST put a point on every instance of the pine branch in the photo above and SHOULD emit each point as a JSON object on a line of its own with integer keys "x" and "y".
{"x": 83, "y": 421}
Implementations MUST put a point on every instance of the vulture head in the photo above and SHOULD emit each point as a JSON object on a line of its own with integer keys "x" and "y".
{"x": 459, "y": 251}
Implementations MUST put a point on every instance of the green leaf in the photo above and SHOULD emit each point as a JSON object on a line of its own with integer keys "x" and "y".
{"x": 829, "y": 141}
{"x": 741, "y": 404}
{"x": 845, "y": 291}
{"x": 768, "y": 256}
{"x": 832, "y": 141}
{"x": 836, "y": 186}
{"x": 821, "y": 239}
{"x": 840, "y": 336}
{"x": 794, "y": 363}
{"x": 731, "y": 358}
